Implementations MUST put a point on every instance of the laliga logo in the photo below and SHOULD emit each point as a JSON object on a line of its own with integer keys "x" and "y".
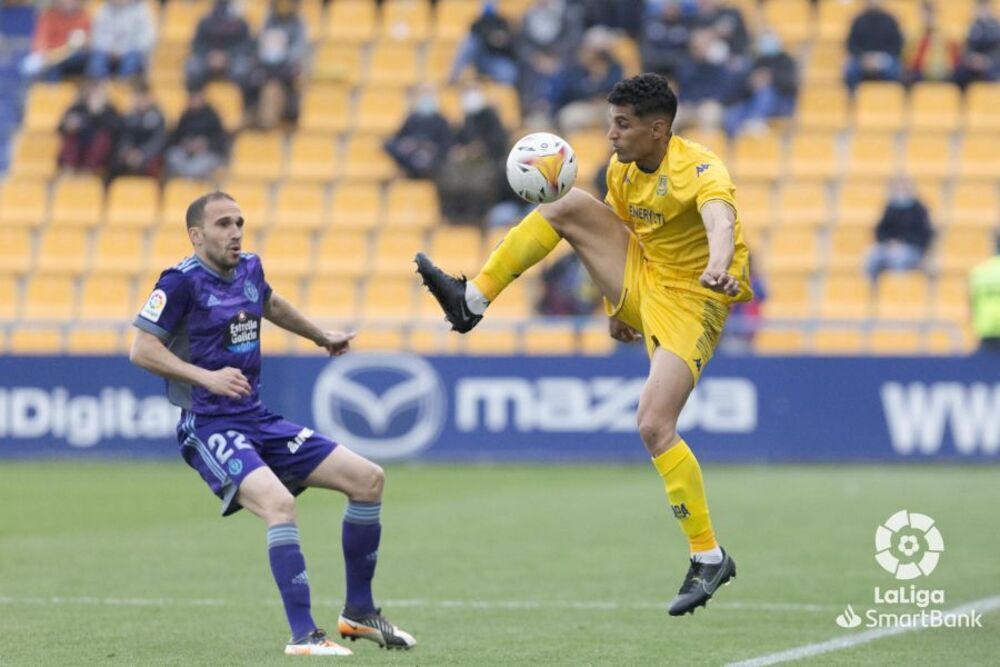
{"x": 908, "y": 545}
{"x": 384, "y": 406}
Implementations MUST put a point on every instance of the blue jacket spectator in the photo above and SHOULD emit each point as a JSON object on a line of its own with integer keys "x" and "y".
{"x": 489, "y": 48}
{"x": 585, "y": 81}
{"x": 727, "y": 22}
{"x": 664, "y": 43}
{"x": 769, "y": 89}
{"x": 875, "y": 46}
{"x": 981, "y": 60}
{"x": 420, "y": 145}
{"x": 222, "y": 48}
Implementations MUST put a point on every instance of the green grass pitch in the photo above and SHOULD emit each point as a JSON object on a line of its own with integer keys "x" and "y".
{"x": 129, "y": 563}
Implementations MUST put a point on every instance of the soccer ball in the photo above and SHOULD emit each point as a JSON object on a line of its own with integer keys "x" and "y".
{"x": 541, "y": 167}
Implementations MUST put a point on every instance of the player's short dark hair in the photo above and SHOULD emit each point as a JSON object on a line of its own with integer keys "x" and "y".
{"x": 196, "y": 210}
{"x": 647, "y": 94}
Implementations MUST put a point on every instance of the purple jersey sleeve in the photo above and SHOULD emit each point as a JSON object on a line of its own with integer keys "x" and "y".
{"x": 166, "y": 306}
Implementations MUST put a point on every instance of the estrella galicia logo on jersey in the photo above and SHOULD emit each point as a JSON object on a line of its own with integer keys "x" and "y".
{"x": 702, "y": 168}
{"x": 661, "y": 186}
{"x": 242, "y": 332}
{"x": 386, "y": 405}
{"x": 235, "y": 466}
{"x": 250, "y": 292}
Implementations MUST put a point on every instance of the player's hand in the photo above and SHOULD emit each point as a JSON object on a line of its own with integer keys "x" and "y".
{"x": 229, "y": 382}
{"x": 720, "y": 281}
{"x": 336, "y": 343}
{"x": 621, "y": 331}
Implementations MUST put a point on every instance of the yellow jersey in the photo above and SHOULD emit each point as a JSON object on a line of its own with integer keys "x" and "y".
{"x": 663, "y": 210}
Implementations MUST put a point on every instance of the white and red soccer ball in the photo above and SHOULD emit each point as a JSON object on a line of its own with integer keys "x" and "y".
{"x": 541, "y": 167}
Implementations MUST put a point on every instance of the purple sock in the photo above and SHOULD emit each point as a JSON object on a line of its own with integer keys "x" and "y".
{"x": 360, "y": 537}
{"x": 289, "y": 569}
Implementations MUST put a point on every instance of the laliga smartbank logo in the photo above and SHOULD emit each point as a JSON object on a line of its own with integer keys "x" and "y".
{"x": 908, "y": 545}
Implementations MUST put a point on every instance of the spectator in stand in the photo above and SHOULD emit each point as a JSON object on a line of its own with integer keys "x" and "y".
{"x": 705, "y": 81}
{"x": 282, "y": 48}
{"x": 489, "y": 48}
{"x": 875, "y": 45}
{"x": 745, "y": 317}
{"x": 568, "y": 289}
{"x": 624, "y": 15}
{"x": 59, "y": 45}
{"x": 89, "y": 131}
{"x": 727, "y": 23}
{"x": 539, "y": 88}
{"x": 552, "y": 26}
{"x": 981, "y": 60}
{"x": 222, "y": 48}
{"x": 932, "y": 56}
{"x": 984, "y": 297}
{"x": 586, "y": 80}
{"x": 420, "y": 145}
{"x": 664, "y": 43}
{"x": 769, "y": 90}
{"x": 903, "y": 234}
{"x": 143, "y": 137}
{"x": 199, "y": 144}
{"x": 122, "y": 37}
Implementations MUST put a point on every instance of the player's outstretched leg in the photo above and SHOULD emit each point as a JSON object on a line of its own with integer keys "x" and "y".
{"x": 450, "y": 294}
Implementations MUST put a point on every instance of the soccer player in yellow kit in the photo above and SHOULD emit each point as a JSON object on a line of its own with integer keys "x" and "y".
{"x": 666, "y": 250}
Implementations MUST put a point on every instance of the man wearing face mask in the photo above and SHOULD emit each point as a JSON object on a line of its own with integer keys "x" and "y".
{"x": 419, "y": 146}
{"x": 222, "y": 48}
{"x": 769, "y": 89}
{"x": 903, "y": 234}
{"x": 489, "y": 48}
{"x": 705, "y": 80}
{"x": 272, "y": 92}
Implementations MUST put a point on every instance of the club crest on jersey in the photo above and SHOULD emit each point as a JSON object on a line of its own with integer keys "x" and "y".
{"x": 242, "y": 332}
{"x": 250, "y": 292}
{"x": 661, "y": 186}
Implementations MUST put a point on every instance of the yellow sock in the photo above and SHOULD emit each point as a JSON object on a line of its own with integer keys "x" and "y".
{"x": 686, "y": 492}
{"x": 526, "y": 244}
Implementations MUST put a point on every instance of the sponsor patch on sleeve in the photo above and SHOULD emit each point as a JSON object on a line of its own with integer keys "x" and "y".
{"x": 154, "y": 306}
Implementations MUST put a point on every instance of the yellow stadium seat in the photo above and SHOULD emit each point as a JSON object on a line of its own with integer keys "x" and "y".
{"x": 300, "y": 206}
{"x": 258, "y": 156}
{"x": 45, "y": 105}
{"x": 180, "y": 20}
{"x": 955, "y": 17}
{"x": 178, "y": 193}
{"x": 172, "y": 98}
{"x": 343, "y": 254}
{"x": 951, "y": 298}
{"x": 339, "y": 64}
{"x": 813, "y": 156}
{"x": 823, "y": 108}
{"x": 453, "y": 19}
{"x": 312, "y": 158}
{"x": 394, "y": 251}
{"x": 107, "y": 298}
{"x": 49, "y": 297}
{"x": 791, "y": 19}
{"x": 366, "y": 160}
{"x": 961, "y": 249}
{"x": 935, "y": 107}
{"x": 63, "y": 251}
{"x": 23, "y": 203}
{"x": 757, "y": 158}
{"x": 440, "y": 57}
{"x": 754, "y": 202}
{"x": 289, "y": 287}
{"x": 626, "y": 50}
{"x": 332, "y": 299}
{"x": 119, "y": 252}
{"x": 388, "y": 297}
{"x": 133, "y": 202}
{"x": 104, "y": 340}
{"x": 872, "y": 156}
{"x": 458, "y": 248}
{"x": 326, "y": 108}
{"x": 287, "y": 253}
{"x": 166, "y": 64}
{"x": 405, "y": 20}
{"x": 393, "y": 64}
{"x": 846, "y": 296}
{"x": 412, "y": 205}
{"x": 973, "y": 205}
{"x": 595, "y": 341}
{"x": 803, "y": 205}
{"x": 928, "y": 156}
{"x": 254, "y": 200}
{"x": 779, "y": 341}
{"x": 514, "y": 302}
{"x": 848, "y": 248}
{"x": 15, "y": 250}
{"x": 36, "y": 340}
{"x": 834, "y": 19}
{"x": 35, "y": 154}
{"x": 549, "y": 339}
{"x": 861, "y": 204}
{"x": 380, "y": 339}
{"x": 255, "y": 12}
{"x": 788, "y": 295}
{"x": 77, "y": 202}
{"x": 226, "y": 99}
{"x": 356, "y": 206}
{"x": 10, "y": 297}
{"x": 592, "y": 153}
{"x": 381, "y": 110}
{"x": 948, "y": 340}
{"x": 506, "y": 101}
{"x": 792, "y": 249}
{"x": 169, "y": 246}
{"x": 891, "y": 341}
{"x": 825, "y": 66}
{"x": 714, "y": 140}
{"x": 837, "y": 341}
{"x": 980, "y": 157}
{"x": 351, "y": 21}
{"x": 982, "y": 108}
{"x": 500, "y": 341}
{"x": 433, "y": 339}
{"x": 903, "y": 295}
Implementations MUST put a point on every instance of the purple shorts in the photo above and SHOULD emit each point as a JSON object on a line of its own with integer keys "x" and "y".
{"x": 224, "y": 449}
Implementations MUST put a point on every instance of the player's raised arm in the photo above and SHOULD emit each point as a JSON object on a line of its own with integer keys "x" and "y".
{"x": 720, "y": 224}
{"x": 149, "y": 352}
{"x": 285, "y": 315}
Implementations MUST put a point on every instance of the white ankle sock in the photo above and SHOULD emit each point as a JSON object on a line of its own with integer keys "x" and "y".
{"x": 474, "y": 298}
{"x": 710, "y": 557}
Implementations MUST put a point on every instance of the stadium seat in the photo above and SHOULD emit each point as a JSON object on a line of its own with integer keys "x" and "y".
{"x": 351, "y": 21}
{"x": 300, "y": 206}
{"x": 49, "y": 297}
{"x": 860, "y": 204}
{"x": 825, "y": 66}
{"x": 848, "y": 248}
{"x": 89, "y": 340}
{"x": 133, "y": 201}
{"x": 830, "y": 341}
{"x": 492, "y": 341}
{"x": 356, "y": 206}
{"x": 822, "y": 108}
{"x": 712, "y": 139}
{"x": 119, "y": 252}
{"x": 947, "y": 340}
{"x": 788, "y": 295}
{"x": 928, "y": 156}
{"x": 453, "y": 19}
{"x": 166, "y": 65}
{"x": 381, "y": 111}
{"x": 592, "y": 152}
{"x": 872, "y": 156}
{"x": 312, "y": 158}
{"x": 902, "y": 296}
{"x": 514, "y": 302}
{"x": 792, "y": 249}
{"x": 951, "y": 299}
{"x": 254, "y": 200}
{"x": 595, "y": 340}
{"x": 955, "y": 18}
{"x": 340, "y": 63}
{"x": 813, "y": 156}
{"x": 380, "y": 339}
{"x": 179, "y": 21}
{"x": 549, "y": 339}
{"x": 77, "y": 202}
{"x": 227, "y": 100}
{"x": 973, "y": 205}
{"x": 366, "y": 160}
{"x": 45, "y": 105}
{"x": 326, "y": 109}
{"x": 755, "y": 205}
{"x": 458, "y": 248}
{"x": 287, "y": 253}
{"x": 36, "y": 340}
{"x": 433, "y": 339}
{"x": 394, "y": 251}
{"x": 626, "y": 50}
{"x": 334, "y": 299}
{"x": 440, "y": 57}
{"x": 982, "y": 108}
{"x": 289, "y": 287}
{"x": 961, "y": 249}
{"x": 388, "y": 297}
{"x": 23, "y": 203}
{"x": 393, "y": 65}
{"x": 405, "y": 21}
{"x": 107, "y": 298}
{"x": 15, "y": 250}
{"x": 258, "y": 156}
{"x": 791, "y": 19}
{"x": 34, "y": 155}
{"x": 10, "y": 297}
{"x": 178, "y": 193}
{"x": 757, "y": 158}
{"x": 343, "y": 254}
{"x": 934, "y": 107}
{"x": 834, "y": 20}
{"x": 980, "y": 157}
{"x": 63, "y": 251}
{"x": 779, "y": 341}
{"x": 506, "y": 101}
{"x": 412, "y": 205}
{"x": 890, "y": 341}
{"x": 845, "y": 296}
{"x": 907, "y": 13}
{"x": 169, "y": 246}
{"x": 803, "y": 205}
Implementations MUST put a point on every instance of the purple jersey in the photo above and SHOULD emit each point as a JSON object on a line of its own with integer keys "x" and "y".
{"x": 212, "y": 322}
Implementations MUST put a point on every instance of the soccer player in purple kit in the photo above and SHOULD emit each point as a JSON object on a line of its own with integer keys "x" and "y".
{"x": 200, "y": 330}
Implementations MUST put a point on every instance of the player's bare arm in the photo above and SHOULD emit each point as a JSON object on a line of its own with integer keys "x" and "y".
{"x": 283, "y": 314}
{"x": 720, "y": 224}
{"x": 148, "y": 352}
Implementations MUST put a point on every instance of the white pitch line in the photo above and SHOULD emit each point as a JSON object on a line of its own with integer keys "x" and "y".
{"x": 983, "y": 606}
{"x": 595, "y": 605}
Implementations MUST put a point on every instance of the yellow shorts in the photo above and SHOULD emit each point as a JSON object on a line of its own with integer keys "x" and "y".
{"x": 678, "y": 320}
